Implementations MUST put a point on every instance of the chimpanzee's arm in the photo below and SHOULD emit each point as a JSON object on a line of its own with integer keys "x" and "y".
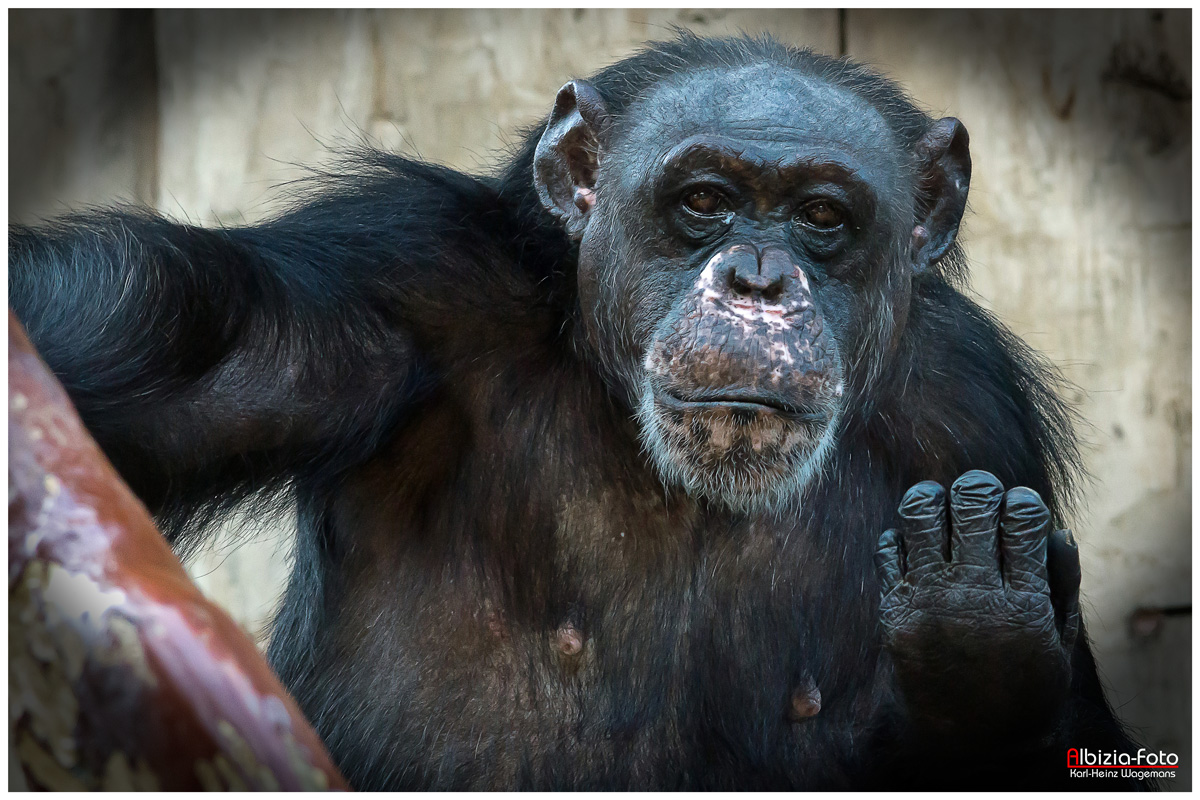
{"x": 212, "y": 361}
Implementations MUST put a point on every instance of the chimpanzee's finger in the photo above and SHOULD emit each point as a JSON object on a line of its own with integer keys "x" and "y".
{"x": 923, "y": 528}
{"x": 1024, "y": 528}
{"x": 1062, "y": 565}
{"x": 975, "y": 500}
{"x": 887, "y": 560}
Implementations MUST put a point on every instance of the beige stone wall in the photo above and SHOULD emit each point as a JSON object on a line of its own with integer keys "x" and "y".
{"x": 1079, "y": 230}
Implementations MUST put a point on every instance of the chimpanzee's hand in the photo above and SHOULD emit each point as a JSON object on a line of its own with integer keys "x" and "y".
{"x": 979, "y": 610}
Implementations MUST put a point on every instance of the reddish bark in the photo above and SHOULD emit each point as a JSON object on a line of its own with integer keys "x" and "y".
{"x": 121, "y": 674}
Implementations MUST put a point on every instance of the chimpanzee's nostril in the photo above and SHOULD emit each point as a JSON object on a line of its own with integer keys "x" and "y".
{"x": 760, "y": 273}
{"x": 748, "y": 282}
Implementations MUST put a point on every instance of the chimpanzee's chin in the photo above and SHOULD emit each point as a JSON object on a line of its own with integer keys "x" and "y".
{"x": 751, "y": 454}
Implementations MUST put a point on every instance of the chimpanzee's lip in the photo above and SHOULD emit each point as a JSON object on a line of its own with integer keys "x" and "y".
{"x": 747, "y": 401}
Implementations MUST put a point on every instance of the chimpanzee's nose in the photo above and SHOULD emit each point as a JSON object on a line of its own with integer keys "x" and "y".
{"x": 755, "y": 273}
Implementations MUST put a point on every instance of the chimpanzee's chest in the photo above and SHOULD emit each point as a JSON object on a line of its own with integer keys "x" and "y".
{"x": 598, "y": 637}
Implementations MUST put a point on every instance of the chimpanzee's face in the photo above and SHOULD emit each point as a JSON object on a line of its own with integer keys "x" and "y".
{"x": 744, "y": 265}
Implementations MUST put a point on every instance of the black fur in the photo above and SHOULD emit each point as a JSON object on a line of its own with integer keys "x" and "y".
{"x": 398, "y": 355}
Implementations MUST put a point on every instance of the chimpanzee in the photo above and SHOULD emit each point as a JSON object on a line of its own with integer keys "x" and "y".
{"x": 669, "y": 457}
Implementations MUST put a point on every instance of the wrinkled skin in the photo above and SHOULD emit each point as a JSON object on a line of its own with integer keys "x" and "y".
{"x": 978, "y": 624}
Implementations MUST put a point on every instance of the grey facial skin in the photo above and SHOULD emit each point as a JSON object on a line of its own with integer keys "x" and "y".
{"x": 730, "y": 325}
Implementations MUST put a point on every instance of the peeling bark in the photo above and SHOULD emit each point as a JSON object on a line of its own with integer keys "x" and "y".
{"x": 122, "y": 676}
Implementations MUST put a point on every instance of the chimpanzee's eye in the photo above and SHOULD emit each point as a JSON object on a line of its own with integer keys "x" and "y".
{"x": 821, "y": 214}
{"x": 704, "y": 202}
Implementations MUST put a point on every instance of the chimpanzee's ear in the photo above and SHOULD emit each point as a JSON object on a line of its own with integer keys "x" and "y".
{"x": 567, "y": 157}
{"x": 944, "y": 164}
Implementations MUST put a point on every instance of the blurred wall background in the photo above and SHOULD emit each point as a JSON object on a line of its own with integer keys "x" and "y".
{"x": 1079, "y": 230}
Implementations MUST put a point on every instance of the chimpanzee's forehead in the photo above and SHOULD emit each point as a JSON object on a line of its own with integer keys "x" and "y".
{"x": 770, "y": 105}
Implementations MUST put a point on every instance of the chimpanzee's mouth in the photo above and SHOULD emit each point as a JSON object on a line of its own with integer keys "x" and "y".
{"x": 748, "y": 448}
{"x": 744, "y": 401}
